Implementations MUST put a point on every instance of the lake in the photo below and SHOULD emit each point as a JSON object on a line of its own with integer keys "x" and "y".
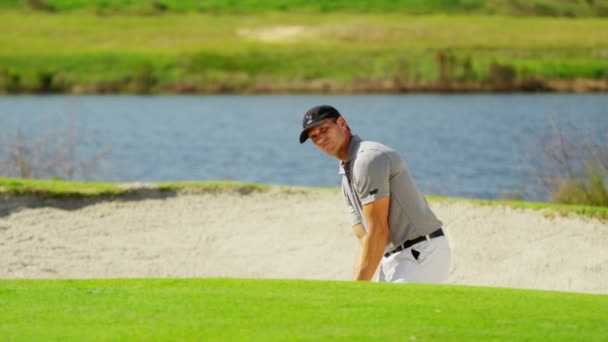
{"x": 483, "y": 146}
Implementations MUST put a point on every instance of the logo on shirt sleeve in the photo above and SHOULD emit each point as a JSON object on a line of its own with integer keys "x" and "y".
{"x": 373, "y": 192}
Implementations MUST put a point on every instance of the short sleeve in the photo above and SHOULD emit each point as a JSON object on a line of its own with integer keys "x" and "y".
{"x": 372, "y": 176}
{"x": 355, "y": 218}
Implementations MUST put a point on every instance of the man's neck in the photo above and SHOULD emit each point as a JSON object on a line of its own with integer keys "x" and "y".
{"x": 343, "y": 154}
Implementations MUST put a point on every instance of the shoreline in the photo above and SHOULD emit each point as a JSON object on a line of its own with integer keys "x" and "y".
{"x": 525, "y": 86}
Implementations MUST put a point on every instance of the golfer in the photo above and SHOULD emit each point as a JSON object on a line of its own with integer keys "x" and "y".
{"x": 393, "y": 222}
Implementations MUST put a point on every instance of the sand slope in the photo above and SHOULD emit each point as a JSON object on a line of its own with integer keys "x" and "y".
{"x": 286, "y": 235}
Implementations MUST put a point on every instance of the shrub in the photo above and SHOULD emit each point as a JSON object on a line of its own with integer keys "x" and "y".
{"x": 48, "y": 154}
{"x": 575, "y": 170}
{"x": 142, "y": 80}
{"x": 10, "y": 82}
{"x": 590, "y": 189}
{"x": 499, "y": 73}
{"x": 37, "y": 5}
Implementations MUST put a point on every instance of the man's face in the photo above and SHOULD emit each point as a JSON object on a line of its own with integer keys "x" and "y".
{"x": 329, "y": 137}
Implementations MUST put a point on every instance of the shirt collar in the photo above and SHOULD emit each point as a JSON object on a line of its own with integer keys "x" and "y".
{"x": 353, "y": 146}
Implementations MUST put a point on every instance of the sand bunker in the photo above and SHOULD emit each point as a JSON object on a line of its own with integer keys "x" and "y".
{"x": 285, "y": 235}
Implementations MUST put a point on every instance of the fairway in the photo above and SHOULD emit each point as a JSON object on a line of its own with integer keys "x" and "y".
{"x": 239, "y": 309}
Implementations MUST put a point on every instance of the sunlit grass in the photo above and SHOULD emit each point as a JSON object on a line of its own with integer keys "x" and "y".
{"x": 263, "y": 310}
{"x": 42, "y": 52}
{"x": 174, "y": 34}
{"x": 550, "y": 209}
{"x": 58, "y": 188}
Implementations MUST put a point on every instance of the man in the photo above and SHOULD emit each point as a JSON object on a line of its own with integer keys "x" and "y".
{"x": 393, "y": 222}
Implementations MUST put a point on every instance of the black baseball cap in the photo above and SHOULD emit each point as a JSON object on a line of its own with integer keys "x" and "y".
{"x": 316, "y": 116}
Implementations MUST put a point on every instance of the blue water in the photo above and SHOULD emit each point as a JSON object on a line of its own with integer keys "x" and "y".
{"x": 457, "y": 145}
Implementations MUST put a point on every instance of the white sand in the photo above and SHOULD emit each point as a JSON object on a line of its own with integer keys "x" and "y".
{"x": 280, "y": 235}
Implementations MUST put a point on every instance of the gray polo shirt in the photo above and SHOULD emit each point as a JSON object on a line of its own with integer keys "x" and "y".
{"x": 374, "y": 171}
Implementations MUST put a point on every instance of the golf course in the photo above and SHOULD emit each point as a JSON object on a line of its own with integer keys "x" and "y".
{"x": 101, "y": 261}
{"x": 228, "y": 260}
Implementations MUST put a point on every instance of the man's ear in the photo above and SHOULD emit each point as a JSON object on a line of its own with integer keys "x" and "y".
{"x": 341, "y": 122}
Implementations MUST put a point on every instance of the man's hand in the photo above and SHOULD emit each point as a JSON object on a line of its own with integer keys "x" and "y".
{"x": 374, "y": 241}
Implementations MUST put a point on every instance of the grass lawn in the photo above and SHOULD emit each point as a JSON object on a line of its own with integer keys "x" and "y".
{"x": 262, "y": 310}
{"x": 60, "y": 189}
{"x": 35, "y": 33}
{"x": 54, "y": 52}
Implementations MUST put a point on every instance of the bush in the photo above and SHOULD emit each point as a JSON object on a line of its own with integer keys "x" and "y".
{"x": 590, "y": 189}
{"x": 48, "y": 155}
{"x": 142, "y": 80}
{"x": 502, "y": 73}
{"x": 10, "y": 82}
{"x": 37, "y": 5}
{"x": 575, "y": 170}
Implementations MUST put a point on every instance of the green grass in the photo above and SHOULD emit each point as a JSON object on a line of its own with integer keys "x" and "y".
{"x": 550, "y": 209}
{"x": 58, "y": 189}
{"x": 502, "y": 7}
{"x": 262, "y": 310}
{"x": 41, "y": 52}
{"x": 72, "y": 189}
{"x": 174, "y": 34}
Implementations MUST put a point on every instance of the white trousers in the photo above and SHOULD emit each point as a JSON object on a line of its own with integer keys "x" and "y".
{"x": 431, "y": 266}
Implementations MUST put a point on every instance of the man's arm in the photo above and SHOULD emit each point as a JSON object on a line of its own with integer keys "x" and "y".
{"x": 360, "y": 234}
{"x": 374, "y": 241}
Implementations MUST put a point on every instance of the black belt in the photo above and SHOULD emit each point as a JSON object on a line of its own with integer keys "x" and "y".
{"x": 410, "y": 243}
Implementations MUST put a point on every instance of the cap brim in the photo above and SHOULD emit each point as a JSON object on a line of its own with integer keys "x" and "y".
{"x": 304, "y": 134}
